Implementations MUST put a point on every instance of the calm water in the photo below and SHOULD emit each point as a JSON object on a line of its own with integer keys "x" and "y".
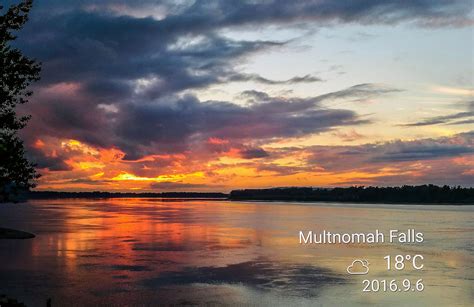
{"x": 148, "y": 251}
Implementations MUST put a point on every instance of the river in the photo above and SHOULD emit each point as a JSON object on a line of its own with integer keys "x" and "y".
{"x": 154, "y": 251}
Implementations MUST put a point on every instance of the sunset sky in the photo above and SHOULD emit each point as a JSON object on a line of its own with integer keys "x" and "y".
{"x": 218, "y": 95}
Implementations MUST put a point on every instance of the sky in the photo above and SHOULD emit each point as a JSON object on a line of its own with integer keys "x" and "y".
{"x": 220, "y": 95}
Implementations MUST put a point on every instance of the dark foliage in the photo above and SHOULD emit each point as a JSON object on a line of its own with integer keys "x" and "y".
{"x": 405, "y": 194}
{"x": 10, "y": 302}
{"x": 97, "y": 194}
{"x": 17, "y": 174}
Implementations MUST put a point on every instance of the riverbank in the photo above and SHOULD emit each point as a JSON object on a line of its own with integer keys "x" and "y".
{"x": 6, "y": 233}
{"x": 423, "y": 194}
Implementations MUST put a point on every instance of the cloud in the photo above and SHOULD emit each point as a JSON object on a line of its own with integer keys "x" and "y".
{"x": 419, "y": 151}
{"x": 254, "y": 153}
{"x": 358, "y": 92}
{"x": 175, "y": 123}
{"x": 439, "y": 120}
{"x": 182, "y": 47}
{"x": 462, "y": 122}
{"x": 418, "y": 161}
{"x": 176, "y": 186}
{"x": 125, "y": 51}
{"x": 112, "y": 78}
{"x": 459, "y": 118}
{"x": 345, "y": 157}
{"x": 447, "y": 160}
{"x": 349, "y": 136}
{"x": 205, "y": 14}
{"x": 117, "y": 76}
{"x": 51, "y": 162}
{"x": 260, "y": 79}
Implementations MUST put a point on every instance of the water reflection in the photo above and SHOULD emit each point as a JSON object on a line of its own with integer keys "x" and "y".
{"x": 289, "y": 278}
{"x": 147, "y": 251}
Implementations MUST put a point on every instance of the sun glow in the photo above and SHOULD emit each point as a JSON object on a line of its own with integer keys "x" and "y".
{"x": 162, "y": 178}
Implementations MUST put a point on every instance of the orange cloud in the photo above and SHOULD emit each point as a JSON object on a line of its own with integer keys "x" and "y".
{"x": 217, "y": 141}
{"x": 95, "y": 168}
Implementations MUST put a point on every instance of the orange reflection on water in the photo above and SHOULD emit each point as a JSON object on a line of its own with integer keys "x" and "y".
{"x": 127, "y": 231}
{"x": 91, "y": 247}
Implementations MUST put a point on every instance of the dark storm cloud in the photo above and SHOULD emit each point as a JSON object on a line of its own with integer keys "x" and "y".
{"x": 77, "y": 42}
{"x": 205, "y": 14}
{"x": 175, "y": 123}
{"x": 90, "y": 48}
{"x": 108, "y": 90}
{"x": 53, "y": 163}
{"x": 69, "y": 116}
{"x": 361, "y": 11}
{"x": 126, "y": 67}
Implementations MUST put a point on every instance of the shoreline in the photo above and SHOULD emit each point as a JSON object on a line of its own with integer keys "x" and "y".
{"x": 421, "y": 194}
{"x": 355, "y": 202}
{"x": 8, "y": 234}
{"x": 257, "y": 200}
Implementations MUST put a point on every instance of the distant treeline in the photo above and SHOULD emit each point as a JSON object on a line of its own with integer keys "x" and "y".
{"x": 405, "y": 194}
{"x": 97, "y": 194}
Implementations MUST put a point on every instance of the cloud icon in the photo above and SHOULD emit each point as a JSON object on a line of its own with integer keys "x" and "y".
{"x": 358, "y": 267}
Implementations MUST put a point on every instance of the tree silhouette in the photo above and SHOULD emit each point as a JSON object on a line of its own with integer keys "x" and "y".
{"x": 17, "y": 174}
{"x": 405, "y": 194}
